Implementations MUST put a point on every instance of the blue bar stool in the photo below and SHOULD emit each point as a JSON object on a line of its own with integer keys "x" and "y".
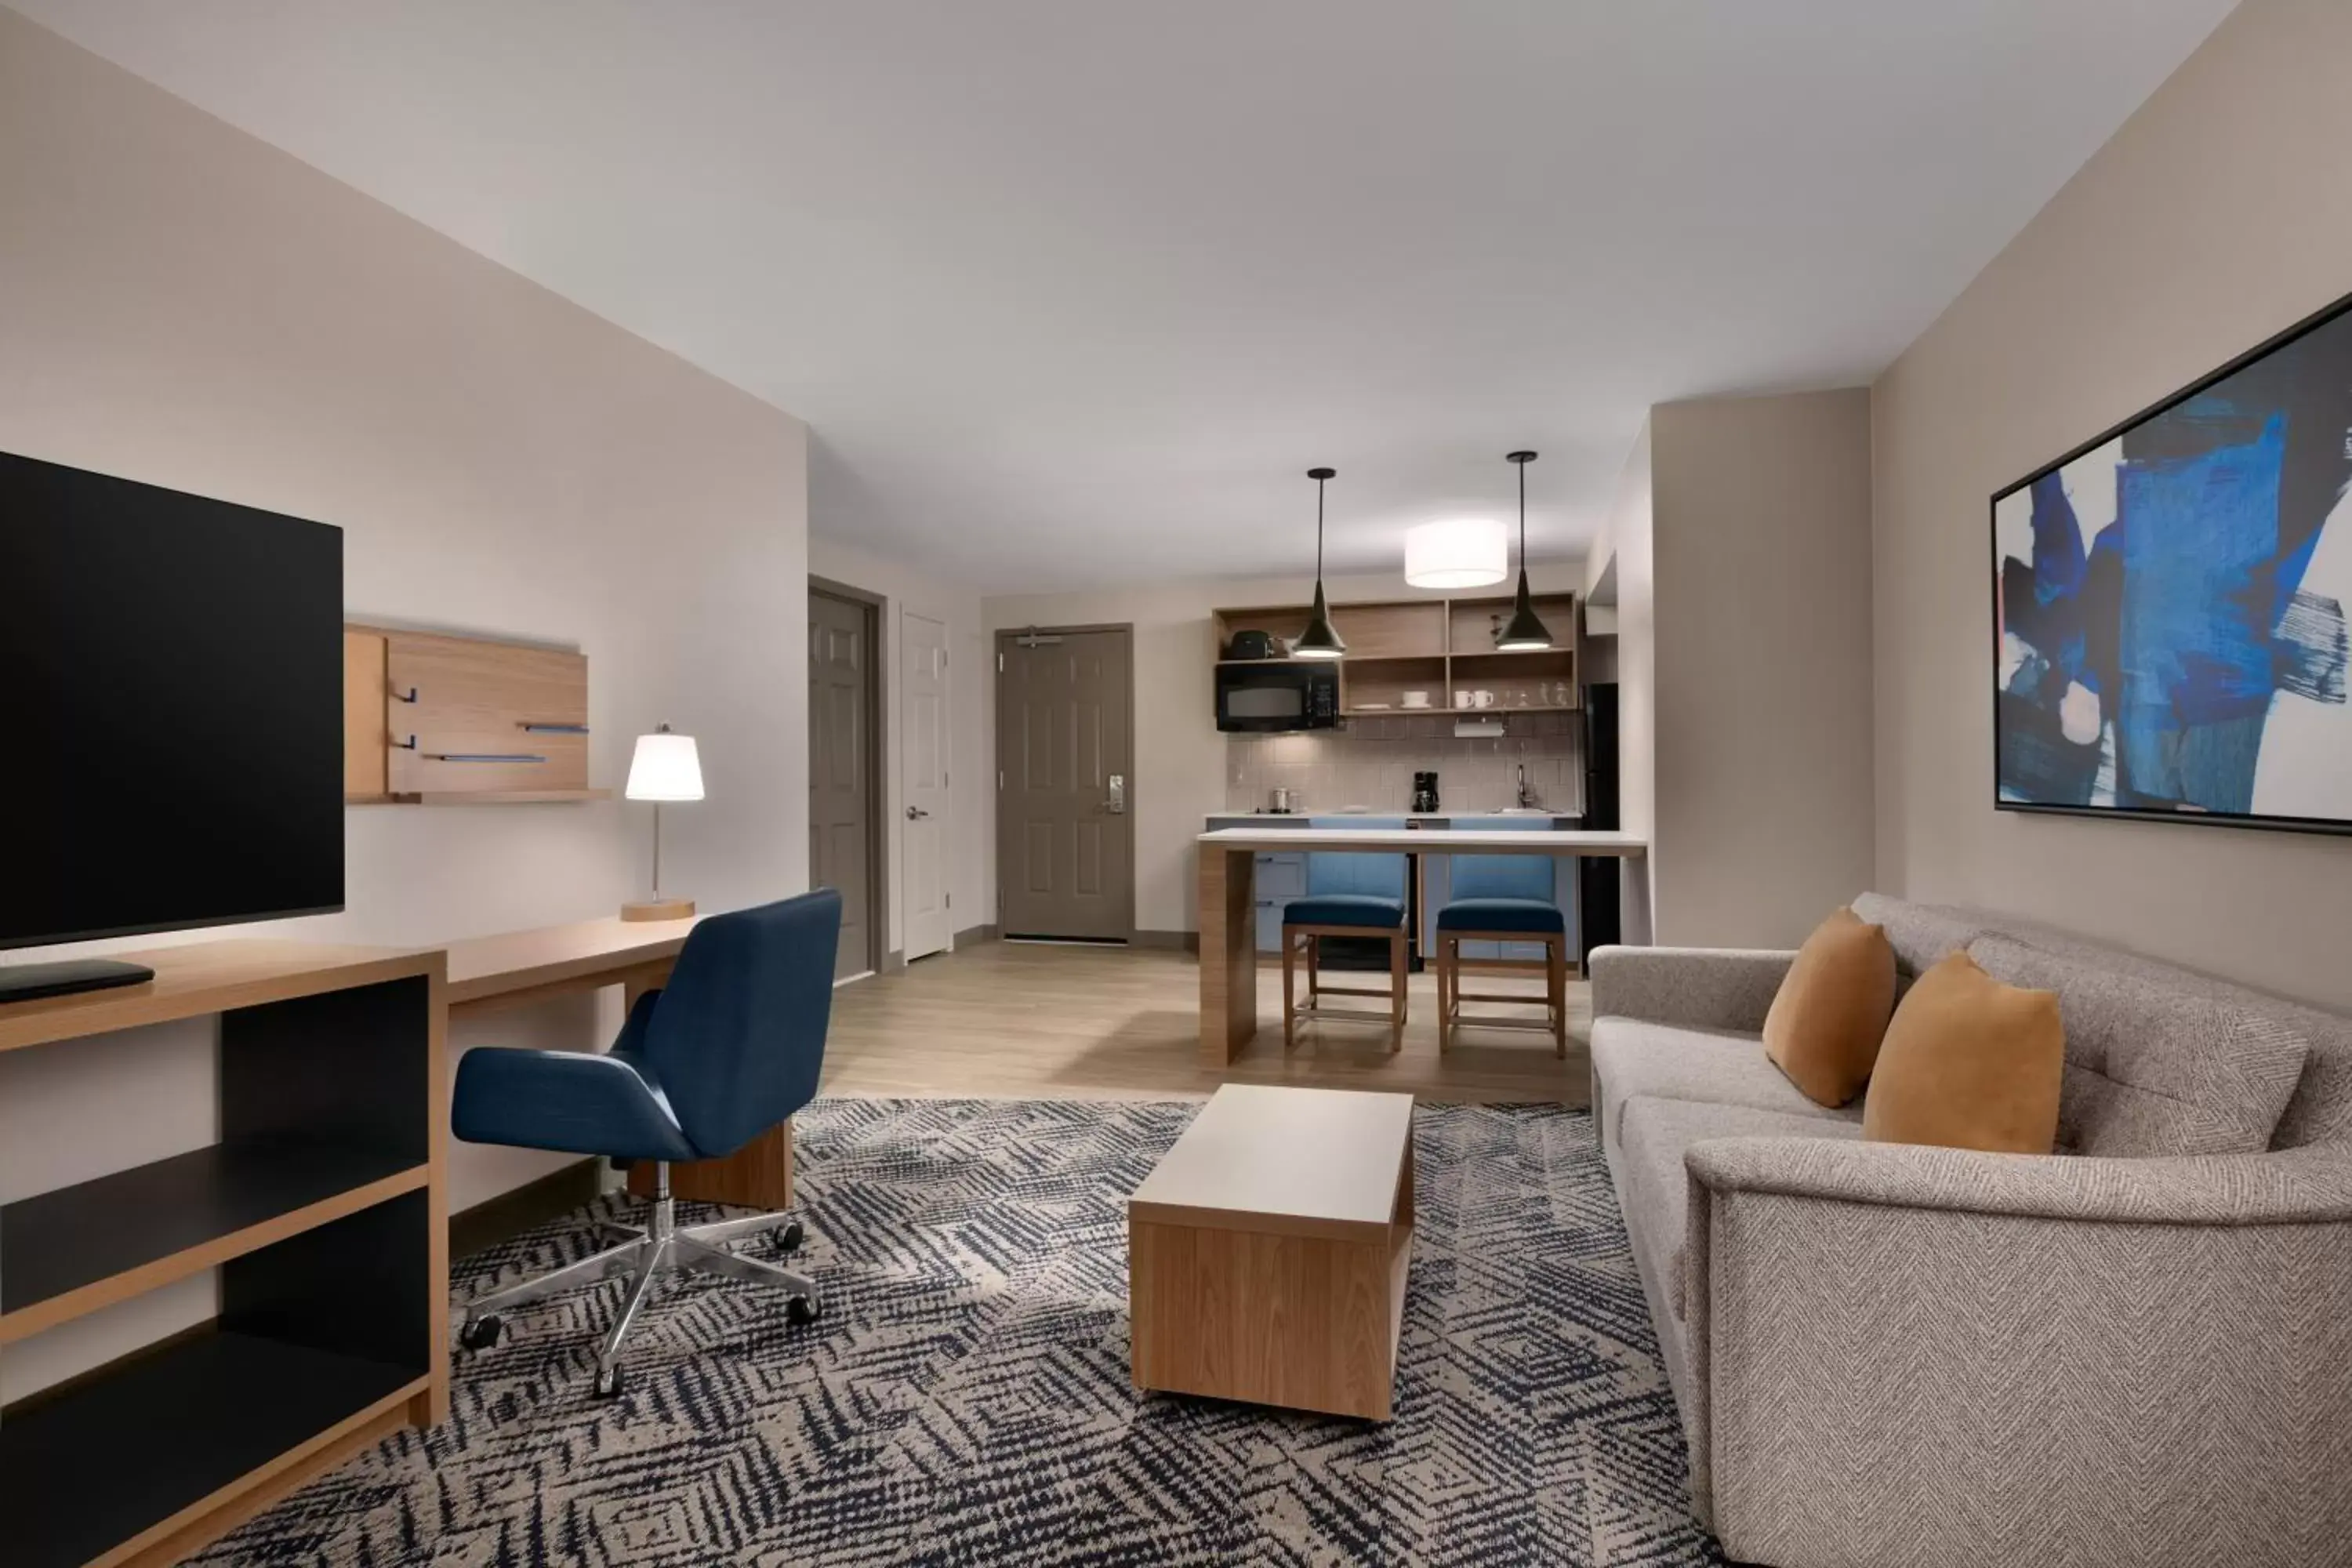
{"x": 1502, "y": 898}
{"x": 1350, "y": 895}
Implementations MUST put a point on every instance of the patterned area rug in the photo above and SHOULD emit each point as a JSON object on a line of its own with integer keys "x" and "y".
{"x": 966, "y": 1399}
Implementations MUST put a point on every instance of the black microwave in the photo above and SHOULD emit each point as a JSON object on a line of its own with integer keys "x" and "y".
{"x": 1257, "y": 697}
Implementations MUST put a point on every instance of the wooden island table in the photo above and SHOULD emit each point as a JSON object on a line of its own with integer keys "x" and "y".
{"x": 1228, "y": 919}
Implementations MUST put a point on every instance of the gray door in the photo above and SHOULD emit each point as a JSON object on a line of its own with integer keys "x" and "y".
{"x": 842, "y": 808}
{"x": 1065, "y": 748}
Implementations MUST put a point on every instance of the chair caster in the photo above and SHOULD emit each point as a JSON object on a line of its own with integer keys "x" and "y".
{"x": 789, "y": 1239}
{"x": 802, "y": 1310}
{"x": 610, "y": 1384}
{"x": 481, "y": 1334}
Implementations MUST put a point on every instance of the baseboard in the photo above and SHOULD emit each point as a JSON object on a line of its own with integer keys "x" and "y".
{"x": 1185, "y": 941}
{"x": 534, "y": 1204}
{"x": 977, "y": 933}
{"x": 894, "y": 962}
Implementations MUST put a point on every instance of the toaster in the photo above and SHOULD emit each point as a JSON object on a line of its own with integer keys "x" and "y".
{"x": 1254, "y": 645}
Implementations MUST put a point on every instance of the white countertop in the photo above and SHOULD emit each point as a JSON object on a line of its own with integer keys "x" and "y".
{"x": 1408, "y": 816}
{"x": 1429, "y": 840}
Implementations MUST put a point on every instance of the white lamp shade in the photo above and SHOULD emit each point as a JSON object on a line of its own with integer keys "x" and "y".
{"x": 664, "y": 768}
{"x": 1463, "y": 552}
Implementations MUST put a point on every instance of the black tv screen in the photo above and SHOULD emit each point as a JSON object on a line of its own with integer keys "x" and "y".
{"x": 171, "y": 708}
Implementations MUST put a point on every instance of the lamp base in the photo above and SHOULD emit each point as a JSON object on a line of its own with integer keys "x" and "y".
{"x": 658, "y": 909}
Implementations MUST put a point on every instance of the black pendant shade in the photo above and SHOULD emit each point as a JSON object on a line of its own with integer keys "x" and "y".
{"x": 1321, "y": 639}
{"x": 1525, "y": 632}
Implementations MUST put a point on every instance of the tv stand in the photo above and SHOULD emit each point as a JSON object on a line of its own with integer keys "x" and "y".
{"x": 22, "y": 981}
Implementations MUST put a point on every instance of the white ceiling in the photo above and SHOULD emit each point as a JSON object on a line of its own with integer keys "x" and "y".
{"x": 1073, "y": 291}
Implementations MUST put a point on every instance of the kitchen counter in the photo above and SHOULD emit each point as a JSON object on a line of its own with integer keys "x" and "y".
{"x": 1427, "y": 840}
{"x": 1408, "y": 816}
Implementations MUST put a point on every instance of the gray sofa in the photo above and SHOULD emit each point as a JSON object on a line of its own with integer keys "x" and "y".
{"x": 1888, "y": 1355}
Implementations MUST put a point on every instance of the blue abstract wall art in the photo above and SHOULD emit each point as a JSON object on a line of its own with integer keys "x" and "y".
{"x": 2168, "y": 604}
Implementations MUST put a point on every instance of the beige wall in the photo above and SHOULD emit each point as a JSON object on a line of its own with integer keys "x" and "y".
{"x": 182, "y": 304}
{"x": 2214, "y": 218}
{"x": 1181, "y": 760}
{"x": 1760, "y": 512}
{"x": 1625, "y": 558}
{"x": 971, "y": 854}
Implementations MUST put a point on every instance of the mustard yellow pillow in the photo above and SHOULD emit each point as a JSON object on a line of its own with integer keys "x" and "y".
{"x": 1831, "y": 1011}
{"x": 1969, "y": 1063}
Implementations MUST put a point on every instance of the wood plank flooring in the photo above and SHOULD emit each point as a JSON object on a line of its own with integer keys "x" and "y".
{"x": 1018, "y": 1021}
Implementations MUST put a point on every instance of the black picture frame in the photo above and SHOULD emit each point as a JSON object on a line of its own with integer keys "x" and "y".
{"x": 2324, "y": 826}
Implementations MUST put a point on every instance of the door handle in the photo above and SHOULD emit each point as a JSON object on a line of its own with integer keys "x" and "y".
{"x": 916, "y": 813}
{"x": 1117, "y": 805}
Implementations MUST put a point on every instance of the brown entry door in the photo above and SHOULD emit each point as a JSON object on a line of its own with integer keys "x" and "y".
{"x": 1066, "y": 746}
{"x": 843, "y": 810}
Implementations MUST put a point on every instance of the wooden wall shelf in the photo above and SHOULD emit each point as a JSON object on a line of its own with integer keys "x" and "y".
{"x": 430, "y": 719}
{"x": 1438, "y": 646}
{"x": 324, "y": 1208}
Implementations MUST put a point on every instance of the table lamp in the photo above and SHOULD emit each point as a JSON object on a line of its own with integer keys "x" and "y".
{"x": 664, "y": 768}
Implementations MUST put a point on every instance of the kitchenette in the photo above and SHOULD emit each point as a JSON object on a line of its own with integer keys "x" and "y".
{"x": 1431, "y": 732}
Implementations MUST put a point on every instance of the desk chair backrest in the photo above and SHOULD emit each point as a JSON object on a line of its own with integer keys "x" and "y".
{"x": 737, "y": 1037}
{"x": 1503, "y": 875}
{"x": 1365, "y": 873}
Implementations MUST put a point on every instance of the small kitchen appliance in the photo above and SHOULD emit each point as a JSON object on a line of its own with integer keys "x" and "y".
{"x": 1424, "y": 792}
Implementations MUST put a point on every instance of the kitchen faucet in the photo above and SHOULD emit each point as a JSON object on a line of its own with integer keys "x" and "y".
{"x": 1527, "y": 797}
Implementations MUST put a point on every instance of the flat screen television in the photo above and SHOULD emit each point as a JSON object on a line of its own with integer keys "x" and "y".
{"x": 2168, "y": 623}
{"x": 171, "y": 708}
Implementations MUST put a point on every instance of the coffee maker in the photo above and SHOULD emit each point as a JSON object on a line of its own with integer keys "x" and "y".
{"x": 1424, "y": 792}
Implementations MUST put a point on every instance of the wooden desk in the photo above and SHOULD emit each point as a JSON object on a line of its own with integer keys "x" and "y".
{"x": 492, "y": 972}
{"x": 1228, "y": 915}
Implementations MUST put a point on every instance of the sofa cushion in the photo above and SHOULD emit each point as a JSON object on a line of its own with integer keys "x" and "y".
{"x": 1634, "y": 1056}
{"x": 1969, "y": 1062}
{"x": 1832, "y": 1011}
{"x": 2320, "y": 1109}
{"x": 1655, "y": 1188}
{"x": 2154, "y": 1070}
{"x": 1921, "y": 934}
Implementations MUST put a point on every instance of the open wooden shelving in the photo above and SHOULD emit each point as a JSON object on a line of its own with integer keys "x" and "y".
{"x": 1438, "y": 646}
{"x": 78, "y": 1249}
{"x": 435, "y": 719}
{"x": 323, "y": 1208}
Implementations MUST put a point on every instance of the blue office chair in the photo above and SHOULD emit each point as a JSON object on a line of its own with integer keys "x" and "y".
{"x": 725, "y": 1051}
{"x": 1501, "y": 898}
{"x": 1348, "y": 894}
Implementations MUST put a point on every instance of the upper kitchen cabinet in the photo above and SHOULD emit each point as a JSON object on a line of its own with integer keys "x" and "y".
{"x": 1443, "y": 647}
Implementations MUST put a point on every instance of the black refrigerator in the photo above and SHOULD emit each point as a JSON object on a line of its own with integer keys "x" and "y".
{"x": 1597, "y": 891}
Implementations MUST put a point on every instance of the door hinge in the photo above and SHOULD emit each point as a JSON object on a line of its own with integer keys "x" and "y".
{"x": 1000, "y": 664}
{"x": 947, "y": 902}
{"x": 999, "y": 778}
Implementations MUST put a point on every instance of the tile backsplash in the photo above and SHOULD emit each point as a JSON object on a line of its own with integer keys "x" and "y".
{"x": 1371, "y": 761}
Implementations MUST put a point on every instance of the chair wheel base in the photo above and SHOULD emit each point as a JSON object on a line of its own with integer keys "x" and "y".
{"x": 481, "y": 1334}
{"x": 802, "y": 1310}
{"x": 789, "y": 1239}
{"x": 610, "y": 1383}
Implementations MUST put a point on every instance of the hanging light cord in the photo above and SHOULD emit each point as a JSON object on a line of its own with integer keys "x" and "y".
{"x": 1318, "y": 524}
{"x": 1523, "y": 514}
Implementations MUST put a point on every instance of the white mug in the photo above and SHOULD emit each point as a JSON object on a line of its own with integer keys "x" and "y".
{"x": 1482, "y": 700}
{"x": 1462, "y": 700}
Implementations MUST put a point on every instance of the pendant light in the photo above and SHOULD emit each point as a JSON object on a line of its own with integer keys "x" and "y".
{"x": 1525, "y": 633}
{"x": 1319, "y": 641}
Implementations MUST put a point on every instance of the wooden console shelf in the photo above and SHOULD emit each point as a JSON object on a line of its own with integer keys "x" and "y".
{"x": 324, "y": 1208}
{"x": 430, "y": 719}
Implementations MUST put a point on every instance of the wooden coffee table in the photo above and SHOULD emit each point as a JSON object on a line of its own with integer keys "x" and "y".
{"x": 1267, "y": 1254}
